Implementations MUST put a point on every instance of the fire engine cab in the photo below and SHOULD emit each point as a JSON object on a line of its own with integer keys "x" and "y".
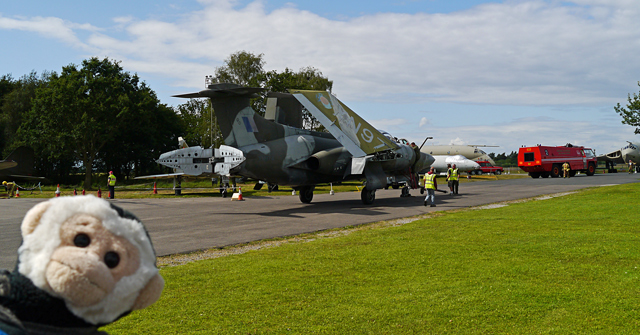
{"x": 545, "y": 161}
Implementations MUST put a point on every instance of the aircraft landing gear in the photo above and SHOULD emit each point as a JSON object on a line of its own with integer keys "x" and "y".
{"x": 306, "y": 194}
{"x": 405, "y": 192}
{"x": 367, "y": 196}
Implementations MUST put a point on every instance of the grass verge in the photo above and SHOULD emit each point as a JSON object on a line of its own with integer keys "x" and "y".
{"x": 566, "y": 265}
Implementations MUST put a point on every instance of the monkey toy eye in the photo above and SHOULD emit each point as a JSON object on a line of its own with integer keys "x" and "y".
{"x": 81, "y": 240}
{"x": 111, "y": 259}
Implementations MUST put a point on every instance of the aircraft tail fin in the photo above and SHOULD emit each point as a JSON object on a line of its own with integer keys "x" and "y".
{"x": 239, "y": 123}
{"x": 182, "y": 143}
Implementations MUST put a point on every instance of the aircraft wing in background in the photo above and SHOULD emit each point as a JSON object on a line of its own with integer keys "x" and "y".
{"x": 353, "y": 132}
{"x": 614, "y": 156}
{"x": 7, "y": 164}
{"x": 161, "y": 176}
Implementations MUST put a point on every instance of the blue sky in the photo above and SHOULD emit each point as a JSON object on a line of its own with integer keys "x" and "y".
{"x": 506, "y": 73}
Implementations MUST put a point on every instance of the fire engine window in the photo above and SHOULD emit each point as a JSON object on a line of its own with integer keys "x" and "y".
{"x": 529, "y": 157}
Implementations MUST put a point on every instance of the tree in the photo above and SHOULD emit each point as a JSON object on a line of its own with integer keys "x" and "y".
{"x": 631, "y": 114}
{"x": 243, "y": 68}
{"x": 15, "y": 101}
{"x": 81, "y": 110}
{"x": 197, "y": 123}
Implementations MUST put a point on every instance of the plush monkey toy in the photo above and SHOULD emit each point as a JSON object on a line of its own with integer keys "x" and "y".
{"x": 83, "y": 263}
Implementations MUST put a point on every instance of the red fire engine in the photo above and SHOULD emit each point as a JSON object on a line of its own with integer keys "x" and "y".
{"x": 544, "y": 161}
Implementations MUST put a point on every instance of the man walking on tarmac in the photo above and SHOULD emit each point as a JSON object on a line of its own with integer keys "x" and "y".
{"x": 431, "y": 185}
{"x": 112, "y": 185}
{"x": 452, "y": 177}
{"x": 631, "y": 165}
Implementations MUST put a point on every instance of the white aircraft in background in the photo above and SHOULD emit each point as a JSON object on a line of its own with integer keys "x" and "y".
{"x": 468, "y": 151}
{"x": 631, "y": 152}
{"x": 463, "y": 164}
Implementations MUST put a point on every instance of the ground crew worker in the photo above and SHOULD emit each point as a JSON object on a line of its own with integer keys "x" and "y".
{"x": 10, "y": 188}
{"x": 453, "y": 183}
{"x": 566, "y": 168}
{"x": 112, "y": 185}
{"x": 431, "y": 185}
{"x": 631, "y": 164}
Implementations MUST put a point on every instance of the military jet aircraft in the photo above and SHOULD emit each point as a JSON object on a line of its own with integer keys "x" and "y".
{"x": 468, "y": 151}
{"x": 284, "y": 155}
{"x": 631, "y": 152}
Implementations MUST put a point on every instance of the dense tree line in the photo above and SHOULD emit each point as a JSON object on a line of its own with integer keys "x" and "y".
{"x": 97, "y": 117}
{"x": 505, "y": 159}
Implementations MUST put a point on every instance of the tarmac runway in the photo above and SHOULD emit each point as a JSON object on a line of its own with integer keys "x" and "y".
{"x": 190, "y": 224}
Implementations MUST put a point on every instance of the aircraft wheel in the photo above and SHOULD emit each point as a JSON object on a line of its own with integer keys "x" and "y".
{"x": 498, "y": 172}
{"x": 367, "y": 196}
{"x": 395, "y": 186}
{"x": 405, "y": 192}
{"x": 306, "y": 194}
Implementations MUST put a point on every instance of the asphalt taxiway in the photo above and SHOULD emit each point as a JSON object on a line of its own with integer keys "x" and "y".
{"x": 190, "y": 224}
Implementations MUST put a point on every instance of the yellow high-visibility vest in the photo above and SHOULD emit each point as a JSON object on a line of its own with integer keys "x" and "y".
{"x": 454, "y": 174}
{"x": 112, "y": 180}
{"x": 429, "y": 181}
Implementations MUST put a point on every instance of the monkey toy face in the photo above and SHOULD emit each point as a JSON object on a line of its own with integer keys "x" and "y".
{"x": 96, "y": 257}
{"x": 89, "y": 261}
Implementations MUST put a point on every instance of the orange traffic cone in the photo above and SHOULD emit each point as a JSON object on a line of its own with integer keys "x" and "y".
{"x": 99, "y": 193}
{"x": 18, "y": 192}
{"x": 240, "y": 194}
{"x": 58, "y": 191}
{"x": 155, "y": 188}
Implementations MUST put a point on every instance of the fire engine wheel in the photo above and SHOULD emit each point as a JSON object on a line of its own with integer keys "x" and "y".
{"x": 555, "y": 171}
{"x": 534, "y": 174}
{"x": 591, "y": 170}
{"x": 479, "y": 172}
{"x": 498, "y": 172}
{"x": 545, "y": 175}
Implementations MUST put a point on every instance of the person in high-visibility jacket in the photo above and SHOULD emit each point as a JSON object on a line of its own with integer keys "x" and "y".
{"x": 453, "y": 176}
{"x": 431, "y": 185}
{"x": 566, "y": 168}
{"x": 10, "y": 187}
{"x": 111, "y": 181}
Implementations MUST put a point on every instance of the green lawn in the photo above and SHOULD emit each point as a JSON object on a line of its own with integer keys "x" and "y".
{"x": 567, "y": 265}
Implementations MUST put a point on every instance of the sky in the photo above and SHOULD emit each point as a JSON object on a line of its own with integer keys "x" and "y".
{"x": 480, "y": 72}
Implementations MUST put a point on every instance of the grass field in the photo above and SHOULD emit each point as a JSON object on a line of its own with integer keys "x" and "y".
{"x": 566, "y": 265}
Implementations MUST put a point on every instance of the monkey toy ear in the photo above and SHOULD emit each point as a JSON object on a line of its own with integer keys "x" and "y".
{"x": 150, "y": 293}
{"x": 32, "y": 218}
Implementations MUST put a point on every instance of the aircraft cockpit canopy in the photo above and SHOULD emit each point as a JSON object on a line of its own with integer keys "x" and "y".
{"x": 394, "y": 139}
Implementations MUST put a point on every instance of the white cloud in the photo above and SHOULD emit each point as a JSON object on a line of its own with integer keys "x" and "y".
{"x": 518, "y": 52}
{"x": 423, "y": 122}
{"x": 50, "y": 27}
